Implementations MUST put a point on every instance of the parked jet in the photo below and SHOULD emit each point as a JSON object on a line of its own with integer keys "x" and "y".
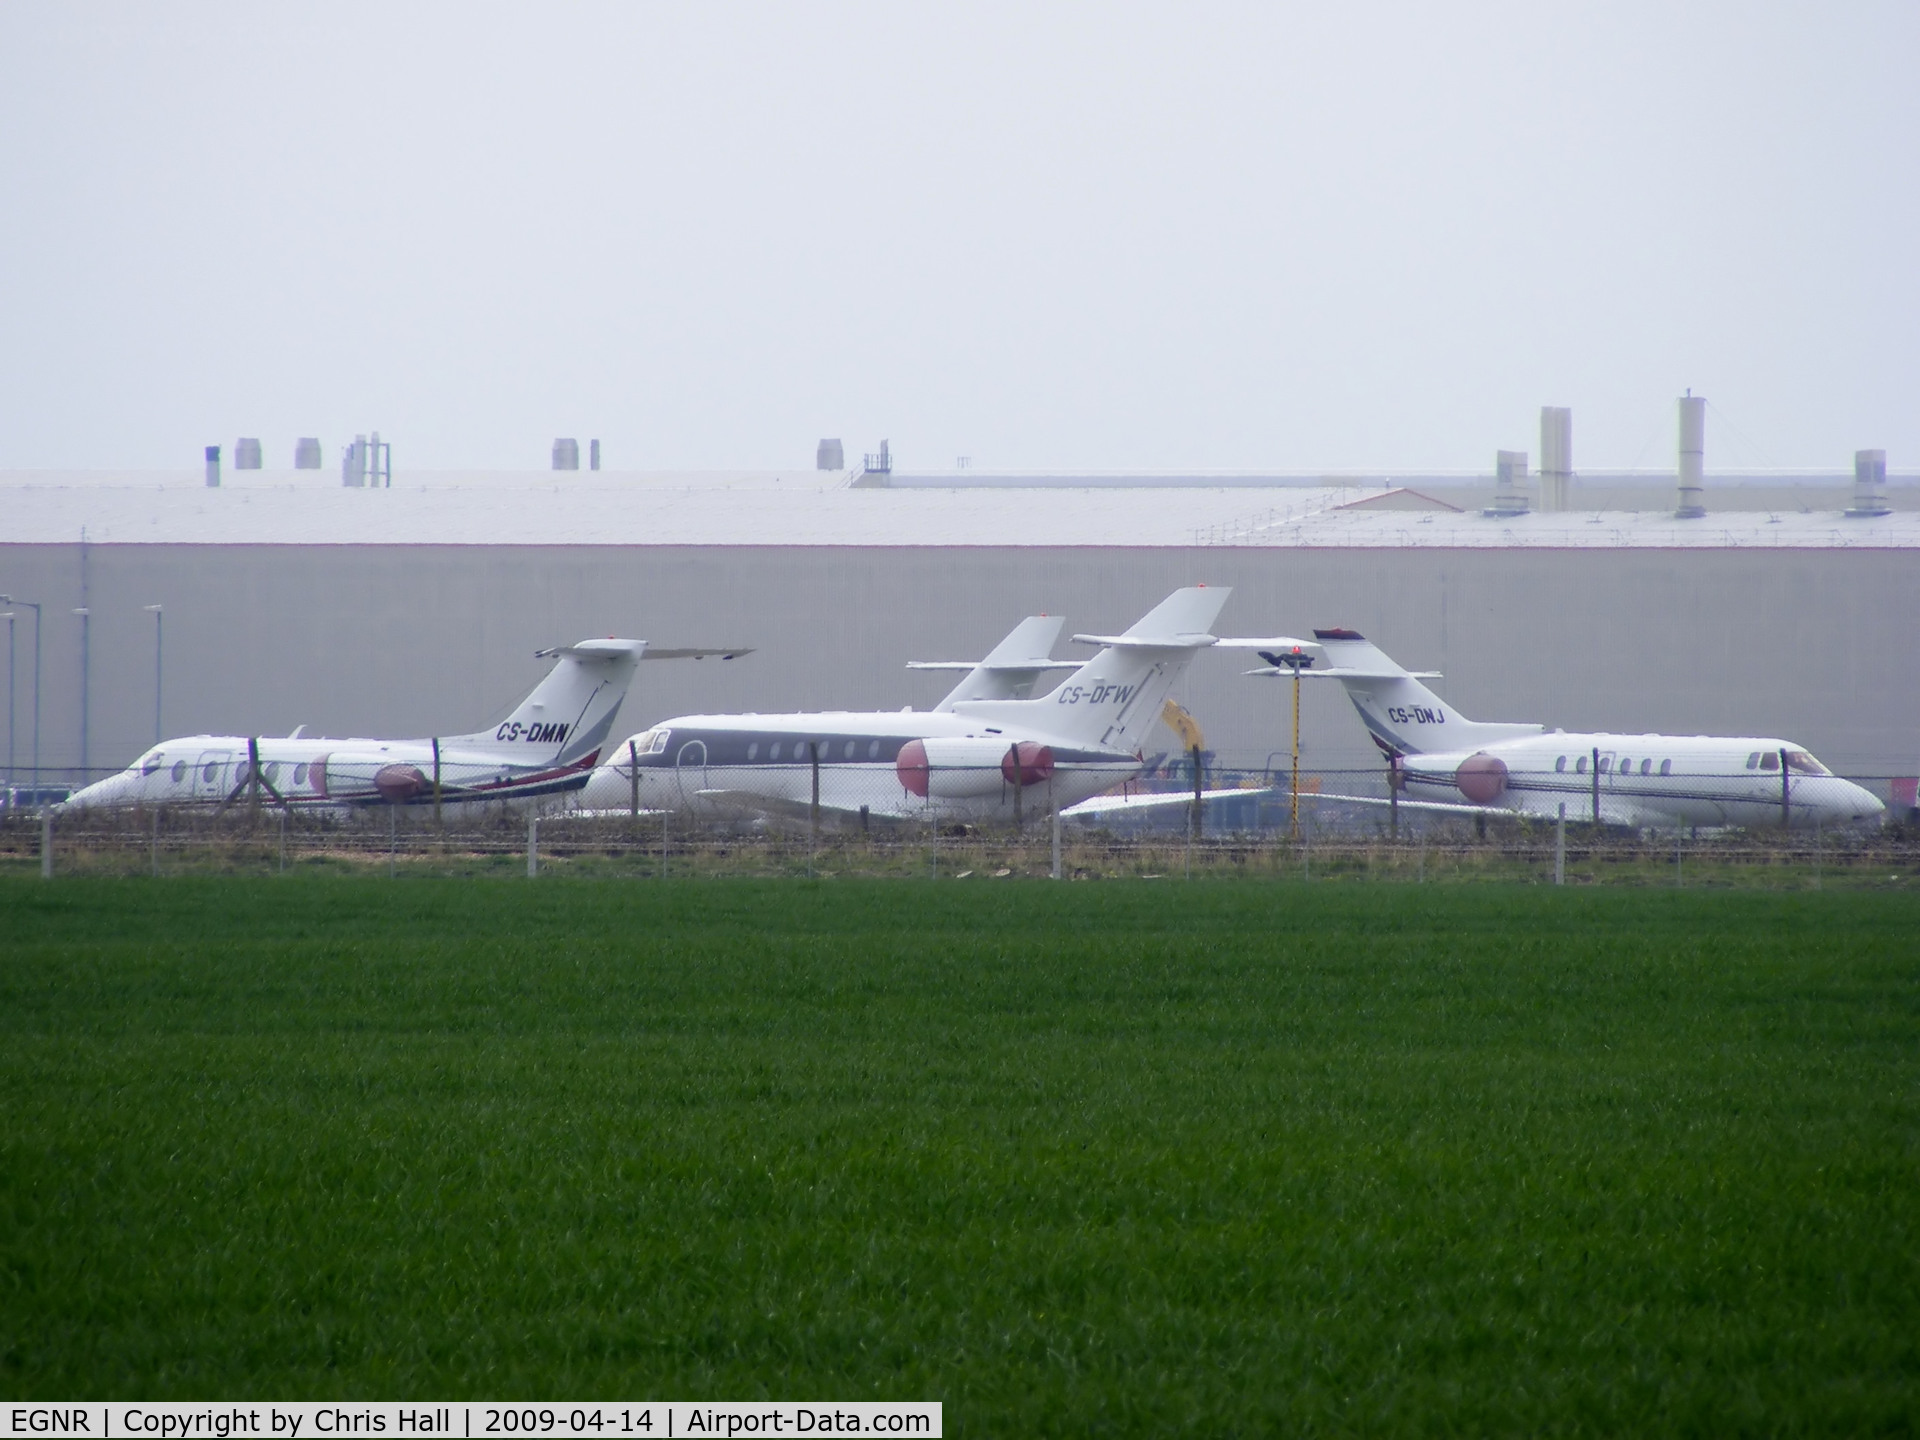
{"x": 983, "y": 754}
{"x": 548, "y": 745}
{"x": 1644, "y": 781}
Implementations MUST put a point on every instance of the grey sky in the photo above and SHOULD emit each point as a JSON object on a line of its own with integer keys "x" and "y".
{"x": 1100, "y": 236}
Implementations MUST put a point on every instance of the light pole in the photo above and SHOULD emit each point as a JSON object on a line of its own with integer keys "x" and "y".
{"x": 86, "y": 639}
{"x": 1296, "y": 661}
{"x": 34, "y": 605}
{"x": 154, "y": 610}
{"x": 9, "y": 619}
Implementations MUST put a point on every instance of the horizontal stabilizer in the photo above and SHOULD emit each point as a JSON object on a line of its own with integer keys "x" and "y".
{"x": 1347, "y": 673}
{"x": 685, "y": 653}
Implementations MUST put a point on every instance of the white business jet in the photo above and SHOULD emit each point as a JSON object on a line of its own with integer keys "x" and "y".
{"x": 988, "y": 751}
{"x": 1645, "y": 781}
{"x": 548, "y": 745}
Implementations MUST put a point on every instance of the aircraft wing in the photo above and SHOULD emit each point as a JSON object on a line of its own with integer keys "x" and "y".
{"x": 1122, "y": 804}
{"x": 1436, "y": 807}
{"x": 752, "y": 802}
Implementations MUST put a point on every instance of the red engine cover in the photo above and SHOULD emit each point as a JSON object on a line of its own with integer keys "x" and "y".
{"x": 1481, "y": 778}
{"x": 1035, "y": 763}
{"x": 399, "y": 782}
{"x": 911, "y": 765}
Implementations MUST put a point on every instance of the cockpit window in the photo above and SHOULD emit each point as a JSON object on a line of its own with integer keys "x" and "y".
{"x": 152, "y": 763}
{"x": 1769, "y": 760}
{"x": 1805, "y": 764}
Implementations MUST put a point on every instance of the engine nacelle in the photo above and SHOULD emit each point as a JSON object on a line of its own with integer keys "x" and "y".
{"x": 1482, "y": 778}
{"x": 346, "y": 776}
{"x": 970, "y": 767}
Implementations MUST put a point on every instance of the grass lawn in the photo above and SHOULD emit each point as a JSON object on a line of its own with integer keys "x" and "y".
{"x": 1124, "y": 1158}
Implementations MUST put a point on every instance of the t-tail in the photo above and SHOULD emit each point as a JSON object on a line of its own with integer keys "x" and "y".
{"x": 1112, "y": 701}
{"x": 1403, "y": 716}
{"x": 1011, "y": 667}
{"x": 567, "y": 718}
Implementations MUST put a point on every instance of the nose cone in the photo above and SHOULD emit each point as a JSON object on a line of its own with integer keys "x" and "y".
{"x": 1865, "y": 804}
{"x": 101, "y": 795}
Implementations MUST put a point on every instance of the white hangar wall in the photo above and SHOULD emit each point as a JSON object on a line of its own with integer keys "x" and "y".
{"x": 1812, "y": 644}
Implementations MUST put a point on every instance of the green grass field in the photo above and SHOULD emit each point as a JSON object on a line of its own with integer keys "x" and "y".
{"x": 1126, "y": 1158}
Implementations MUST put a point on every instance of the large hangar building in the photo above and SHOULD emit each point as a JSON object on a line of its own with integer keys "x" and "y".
{"x": 414, "y": 609}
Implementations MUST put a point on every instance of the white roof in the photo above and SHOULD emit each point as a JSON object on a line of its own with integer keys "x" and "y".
{"x": 804, "y": 507}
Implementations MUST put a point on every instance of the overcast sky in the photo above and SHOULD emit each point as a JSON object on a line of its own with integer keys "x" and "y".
{"x": 1333, "y": 237}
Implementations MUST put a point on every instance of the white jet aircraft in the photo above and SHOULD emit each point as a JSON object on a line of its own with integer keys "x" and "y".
{"x": 1645, "y": 781}
{"x": 986, "y": 752}
{"x": 548, "y": 745}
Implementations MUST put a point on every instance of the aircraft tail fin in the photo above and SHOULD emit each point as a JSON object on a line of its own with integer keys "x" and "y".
{"x": 1011, "y": 667}
{"x": 1403, "y": 716}
{"x": 1113, "y": 700}
{"x": 568, "y": 716}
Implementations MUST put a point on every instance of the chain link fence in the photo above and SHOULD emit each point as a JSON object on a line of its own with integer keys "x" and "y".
{"x": 864, "y": 823}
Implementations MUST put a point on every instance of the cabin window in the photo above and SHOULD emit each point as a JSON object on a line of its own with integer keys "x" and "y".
{"x": 273, "y": 771}
{"x": 1560, "y": 765}
{"x": 179, "y": 771}
{"x": 1803, "y": 763}
{"x": 1646, "y": 767}
{"x": 1769, "y": 760}
{"x": 213, "y": 768}
{"x": 753, "y": 750}
{"x": 1580, "y": 765}
{"x": 850, "y": 746}
{"x": 1753, "y": 761}
{"x": 1666, "y": 767}
{"x": 1606, "y": 763}
{"x": 773, "y": 751}
{"x": 300, "y": 774}
{"x": 873, "y": 750}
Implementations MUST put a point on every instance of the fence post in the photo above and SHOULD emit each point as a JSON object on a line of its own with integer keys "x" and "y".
{"x": 665, "y": 812}
{"x": 633, "y": 760}
{"x": 155, "y": 854}
{"x": 1053, "y": 806}
{"x": 813, "y": 806}
{"x": 1560, "y": 846}
{"x": 437, "y": 825}
{"x": 46, "y": 843}
{"x": 533, "y": 846}
{"x": 1786, "y": 795}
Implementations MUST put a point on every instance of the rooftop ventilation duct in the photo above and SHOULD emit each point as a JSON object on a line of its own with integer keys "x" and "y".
{"x": 1693, "y": 446}
{"x": 1869, "y": 484}
{"x": 1556, "y": 457}
{"x": 306, "y": 454}
{"x": 831, "y": 455}
{"x": 246, "y": 454}
{"x": 1510, "y": 484}
{"x": 566, "y": 454}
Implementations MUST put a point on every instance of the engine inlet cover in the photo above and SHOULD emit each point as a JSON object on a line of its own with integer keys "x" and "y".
{"x": 1481, "y": 778}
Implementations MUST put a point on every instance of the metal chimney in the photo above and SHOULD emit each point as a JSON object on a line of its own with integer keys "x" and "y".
{"x": 593, "y": 453}
{"x": 1556, "y": 457}
{"x": 1869, "y": 484}
{"x": 213, "y": 467}
{"x": 1693, "y": 446}
{"x": 1510, "y": 484}
{"x": 831, "y": 455}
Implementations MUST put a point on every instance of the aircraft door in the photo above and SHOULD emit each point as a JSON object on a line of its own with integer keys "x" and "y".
{"x": 210, "y": 775}
{"x": 690, "y": 770}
